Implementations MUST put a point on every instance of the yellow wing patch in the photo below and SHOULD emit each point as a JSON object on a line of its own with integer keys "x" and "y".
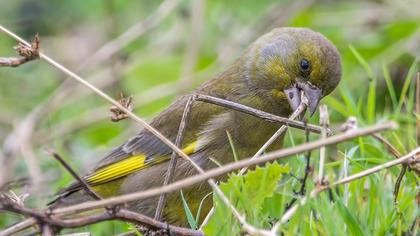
{"x": 129, "y": 166}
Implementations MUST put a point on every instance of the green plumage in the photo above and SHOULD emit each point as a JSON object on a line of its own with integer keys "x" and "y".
{"x": 257, "y": 79}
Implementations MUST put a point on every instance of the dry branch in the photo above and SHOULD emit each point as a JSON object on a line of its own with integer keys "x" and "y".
{"x": 27, "y": 52}
{"x": 116, "y": 113}
{"x": 75, "y": 222}
{"x": 324, "y": 121}
{"x": 79, "y": 179}
{"x": 257, "y": 113}
{"x": 174, "y": 156}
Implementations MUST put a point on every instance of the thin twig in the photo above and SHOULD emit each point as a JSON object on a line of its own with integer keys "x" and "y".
{"x": 174, "y": 156}
{"x": 18, "y": 227}
{"x": 403, "y": 159}
{"x": 398, "y": 183}
{"x": 79, "y": 179}
{"x": 119, "y": 214}
{"x": 394, "y": 151}
{"x": 324, "y": 122}
{"x": 302, "y": 190}
{"x": 27, "y": 52}
{"x": 397, "y": 155}
{"x": 257, "y": 113}
{"x": 298, "y": 112}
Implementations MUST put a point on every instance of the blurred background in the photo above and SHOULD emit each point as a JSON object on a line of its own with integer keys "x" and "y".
{"x": 156, "y": 50}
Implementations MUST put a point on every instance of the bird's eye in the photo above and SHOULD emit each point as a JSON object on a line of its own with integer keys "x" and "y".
{"x": 305, "y": 65}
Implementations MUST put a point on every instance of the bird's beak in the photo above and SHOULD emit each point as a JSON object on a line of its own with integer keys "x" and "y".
{"x": 313, "y": 93}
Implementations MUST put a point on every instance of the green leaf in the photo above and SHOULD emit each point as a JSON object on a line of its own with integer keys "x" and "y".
{"x": 247, "y": 193}
{"x": 235, "y": 156}
{"x": 362, "y": 61}
{"x": 191, "y": 221}
{"x": 371, "y": 102}
{"x": 197, "y": 217}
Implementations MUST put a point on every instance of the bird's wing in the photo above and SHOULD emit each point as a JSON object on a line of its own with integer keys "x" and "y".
{"x": 123, "y": 161}
{"x": 127, "y": 162}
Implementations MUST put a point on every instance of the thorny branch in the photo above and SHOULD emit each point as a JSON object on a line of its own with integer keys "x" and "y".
{"x": 27, "y": 52}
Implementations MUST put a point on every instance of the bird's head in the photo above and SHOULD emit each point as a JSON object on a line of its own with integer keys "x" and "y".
{"x": 288, "y": 61}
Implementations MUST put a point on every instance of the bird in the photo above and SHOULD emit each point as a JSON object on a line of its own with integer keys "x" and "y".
{"x": 270, "y": 76}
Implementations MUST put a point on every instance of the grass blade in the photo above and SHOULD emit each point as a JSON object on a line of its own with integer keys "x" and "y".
{"x": 191, "y": 221}
{"x": 406, "y": 85}
{"x": 390, "y": 86}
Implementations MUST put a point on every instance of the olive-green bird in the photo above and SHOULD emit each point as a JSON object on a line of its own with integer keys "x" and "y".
{"x": 269, "y": 76}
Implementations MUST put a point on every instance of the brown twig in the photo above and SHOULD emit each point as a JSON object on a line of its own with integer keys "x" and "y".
{"x": 174, "y": 156}
{"x": 119, "y": 214}
{"x": 398, "y": 182}
{"x": 27, "y": 52}
{"x": 116, "y": 113}
{"x": 257, "y": 113}
{"x": 388, "y": 145}
{"x": 79, "y": 179}
{"x": 397, "y": 155}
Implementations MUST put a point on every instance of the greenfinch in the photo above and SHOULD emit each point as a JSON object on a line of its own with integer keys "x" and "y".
{"x": 269, "y": 76}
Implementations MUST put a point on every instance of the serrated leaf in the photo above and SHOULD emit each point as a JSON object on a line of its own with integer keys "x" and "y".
{"x": 247, "y": 193}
